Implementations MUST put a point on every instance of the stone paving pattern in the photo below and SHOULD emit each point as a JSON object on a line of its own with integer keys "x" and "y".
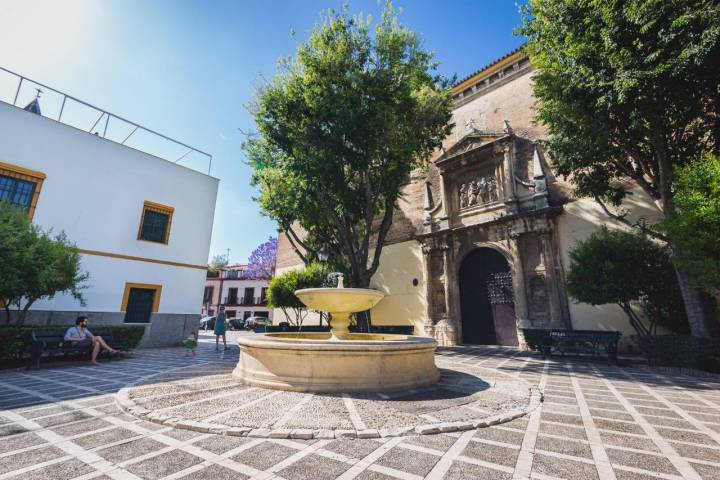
{"x": 466, "y": 397}
{"x": 596, "y": 422}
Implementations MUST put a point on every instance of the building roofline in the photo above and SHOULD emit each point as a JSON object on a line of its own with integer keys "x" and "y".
{"x": 488, "y": 70}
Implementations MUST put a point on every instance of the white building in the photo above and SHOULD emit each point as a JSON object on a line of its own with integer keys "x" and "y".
{"x": 241, "y": 297}
{"x": 142, "y": 223}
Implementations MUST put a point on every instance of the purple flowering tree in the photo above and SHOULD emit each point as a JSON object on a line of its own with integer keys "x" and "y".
{"x": 261, "y": 264}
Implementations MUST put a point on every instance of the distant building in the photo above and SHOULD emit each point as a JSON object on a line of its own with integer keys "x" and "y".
{"x": 241, "y": 297}
{"x": 142, "y": 223}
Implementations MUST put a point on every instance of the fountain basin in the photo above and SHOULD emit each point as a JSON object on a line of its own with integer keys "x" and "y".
{"x": 341, "y": 303}
{"x": 311, "y": 362}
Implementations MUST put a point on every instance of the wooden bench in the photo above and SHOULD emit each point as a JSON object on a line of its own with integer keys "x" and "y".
{"x": 53, "y": 343}
{"x": 578, "y": 342}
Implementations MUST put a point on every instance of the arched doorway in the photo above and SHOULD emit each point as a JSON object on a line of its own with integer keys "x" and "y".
{"x": 486, "y": 299}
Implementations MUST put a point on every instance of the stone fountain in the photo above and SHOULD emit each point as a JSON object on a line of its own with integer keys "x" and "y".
{"x": 338, "y": 361}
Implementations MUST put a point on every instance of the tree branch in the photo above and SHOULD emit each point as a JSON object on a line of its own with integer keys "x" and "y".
{"x": 625, "y": 221}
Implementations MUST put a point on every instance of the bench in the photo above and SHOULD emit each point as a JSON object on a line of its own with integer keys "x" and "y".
{"x": 577, "y": 342}
{"x": 53, "y": 343}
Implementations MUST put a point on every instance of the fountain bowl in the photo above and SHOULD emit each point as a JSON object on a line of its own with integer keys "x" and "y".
{"x": 339, "y": 300}
{"x": 315, "y": 362}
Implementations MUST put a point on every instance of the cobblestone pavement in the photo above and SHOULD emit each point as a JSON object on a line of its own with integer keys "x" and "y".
{"x": 596, "y": 422}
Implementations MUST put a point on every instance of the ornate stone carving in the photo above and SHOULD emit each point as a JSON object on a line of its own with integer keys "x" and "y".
{"x": 479, "y": 191}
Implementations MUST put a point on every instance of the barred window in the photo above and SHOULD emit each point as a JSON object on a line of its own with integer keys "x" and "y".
{"x": 18, "y": 193}
{"x": 20, "y": 187}
{"x": 155, "y": 223}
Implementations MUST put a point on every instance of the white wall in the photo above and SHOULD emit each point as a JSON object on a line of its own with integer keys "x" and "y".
{"x": 95, "y": 190}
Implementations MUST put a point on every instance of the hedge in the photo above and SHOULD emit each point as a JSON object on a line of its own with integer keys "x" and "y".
{"x": 682, "y": 351}
{"x": 536, "y": 337}
{"x": 13, "y": 339}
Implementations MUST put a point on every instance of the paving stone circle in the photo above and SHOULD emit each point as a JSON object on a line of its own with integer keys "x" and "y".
{"x": 205, "y": 400}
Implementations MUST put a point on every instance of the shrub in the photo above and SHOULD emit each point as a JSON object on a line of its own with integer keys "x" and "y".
{"x": 536, "y": 338}
{"x": 281, "y": 290}
{"x": 682, "y": 351}
{"x": 628, "y": 270}
{"x": 14, "y": 339}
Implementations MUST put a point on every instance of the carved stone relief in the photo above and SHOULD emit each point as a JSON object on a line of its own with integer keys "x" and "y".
{"x": 479, "y": 191}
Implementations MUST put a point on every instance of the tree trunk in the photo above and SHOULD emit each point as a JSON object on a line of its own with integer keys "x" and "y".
{"x": 694, "y": 310}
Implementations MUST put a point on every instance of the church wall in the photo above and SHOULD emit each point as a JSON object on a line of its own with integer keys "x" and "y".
{"x": 405, "y": 303}
{"x": 512, "y": 101}
{"x": 580, "y": 219}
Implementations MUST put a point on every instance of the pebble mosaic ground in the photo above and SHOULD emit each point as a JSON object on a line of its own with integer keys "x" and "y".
{"x": 464, "y": 398}
{"x": 596, "y": 422}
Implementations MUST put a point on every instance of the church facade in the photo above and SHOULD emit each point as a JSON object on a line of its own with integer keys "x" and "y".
{"x": 481, "y": 237}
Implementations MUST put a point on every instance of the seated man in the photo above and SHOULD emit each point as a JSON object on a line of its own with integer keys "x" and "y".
{"x": 82, "y": 339}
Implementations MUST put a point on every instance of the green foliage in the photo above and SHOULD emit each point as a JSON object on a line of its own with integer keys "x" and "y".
{"x": 682, "y": 351}
{"x": 627, "y": 89}
{"x": 625, "y": 269}
{"x": 281, "y": 290}
{"x": 35, "y": 264}
{"x": 13, "y": 339}
{"x": 536, "y": 338}
{"x": 218, "y": 262}
{"x": 341, "y": 126}
{"x": 696, "y": 226}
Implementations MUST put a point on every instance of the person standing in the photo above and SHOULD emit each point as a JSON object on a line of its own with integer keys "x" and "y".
{"x": 220, "y": 329}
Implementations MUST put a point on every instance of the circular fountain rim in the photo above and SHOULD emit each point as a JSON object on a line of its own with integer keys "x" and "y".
{"x": 395, "y": 342}
{"x": 341, "y": 291}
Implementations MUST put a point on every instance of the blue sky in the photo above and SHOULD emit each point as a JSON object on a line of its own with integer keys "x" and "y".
{"x": 188, "y": 68}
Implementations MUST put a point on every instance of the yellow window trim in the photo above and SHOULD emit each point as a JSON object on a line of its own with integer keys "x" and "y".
{"x": 28, "y": 175}
{"x": 147, "y": 286}
{"x": 160, "y": 208}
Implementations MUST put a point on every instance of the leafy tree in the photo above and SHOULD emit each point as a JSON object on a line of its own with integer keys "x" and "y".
{"x": 341, "y": 126}
{"x": 696, "y": 225}
{"x": 628, "y": 90}
{"x": 34, "y": 264}
{"x": 261, "y": 264}
{"x": 281, "y": 290}
{"x": 217, "y": 263}
{"x": 629, "y": 270}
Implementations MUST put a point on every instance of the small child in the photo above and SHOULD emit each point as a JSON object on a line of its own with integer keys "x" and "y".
{"x": 191, "y": 344}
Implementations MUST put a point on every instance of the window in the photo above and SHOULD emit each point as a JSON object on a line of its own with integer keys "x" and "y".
{"x": 139, "y": 301}
{"x": 232, "y": 296}
{"x": 20, "y": 187}
{"x": 155, "y": 222}
{"x": 230, "y": 313}
{"x": 246, "y": 315}
{"x": 208, "y": 294}
{"x": 249, "y": 292}
{"x": 232, "y": 274}
{"x": 263, "y": 296}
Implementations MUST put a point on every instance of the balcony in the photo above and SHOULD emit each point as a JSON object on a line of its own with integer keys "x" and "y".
{"x": 244, "y": 301}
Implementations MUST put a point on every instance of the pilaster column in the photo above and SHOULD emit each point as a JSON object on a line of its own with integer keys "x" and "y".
{"x": 521, "y": 305}
{"x": 509, "y": 168}
{"x": 557, "y": 319}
